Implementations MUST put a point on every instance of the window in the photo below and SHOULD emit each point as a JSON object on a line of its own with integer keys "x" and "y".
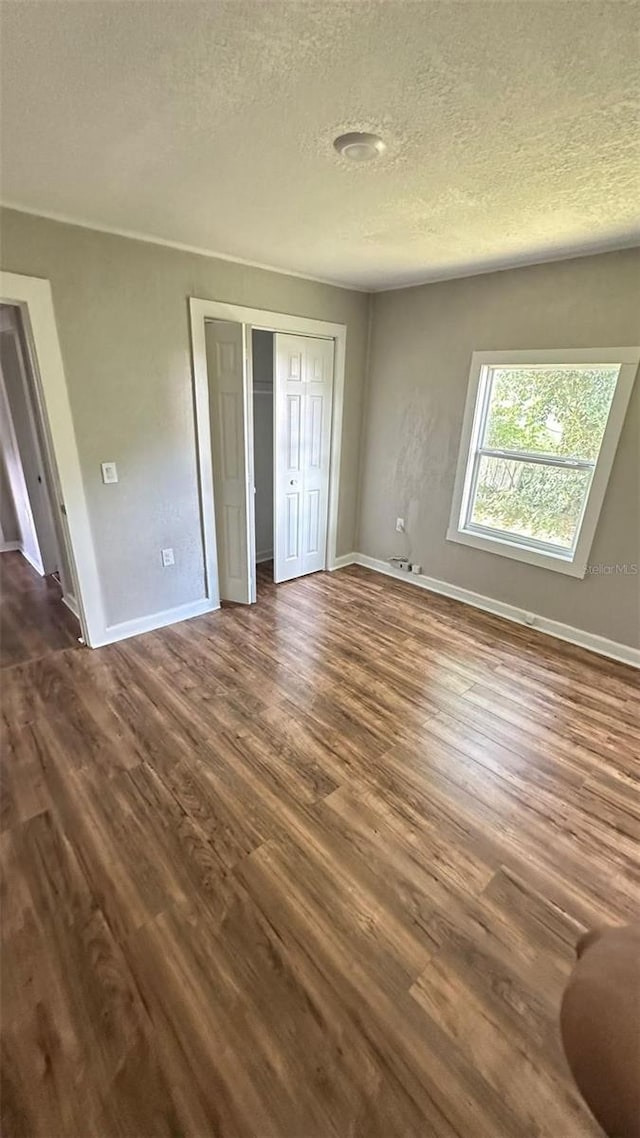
{"x": 538, "y": 442}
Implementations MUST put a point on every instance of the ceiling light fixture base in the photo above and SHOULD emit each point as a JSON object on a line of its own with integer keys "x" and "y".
{"x": 359, "y": 146}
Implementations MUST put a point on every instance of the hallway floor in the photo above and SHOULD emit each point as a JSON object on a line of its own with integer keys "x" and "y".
{"x": 33, "y": 619}
{"x": 313, "y": 869}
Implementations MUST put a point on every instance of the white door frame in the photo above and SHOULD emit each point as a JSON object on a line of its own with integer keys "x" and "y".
{"x": 32, "y": 295}
{"x": 201, "y": 310}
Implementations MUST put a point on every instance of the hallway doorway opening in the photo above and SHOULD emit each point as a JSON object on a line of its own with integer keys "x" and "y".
{"x": 38, "y": 607}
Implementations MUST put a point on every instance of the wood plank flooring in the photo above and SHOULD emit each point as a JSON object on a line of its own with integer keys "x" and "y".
{"x": 313, "y": 869}
{"x": 33, "y": 619}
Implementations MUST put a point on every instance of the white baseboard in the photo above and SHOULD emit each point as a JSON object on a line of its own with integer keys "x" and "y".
{"x": 266, "y": 555}
{"x": 37, "y": 565}
{"x": 600, "y": 644}
{"x": 344, "y": 560}
{"x": 9, "y": 546}
{"x": 127, "y": 628}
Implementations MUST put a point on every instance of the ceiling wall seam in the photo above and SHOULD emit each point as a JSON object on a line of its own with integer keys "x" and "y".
{"x": 179, "y": 247}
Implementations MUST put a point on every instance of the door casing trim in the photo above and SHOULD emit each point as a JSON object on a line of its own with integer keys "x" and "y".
{"x": 33, "y": 296}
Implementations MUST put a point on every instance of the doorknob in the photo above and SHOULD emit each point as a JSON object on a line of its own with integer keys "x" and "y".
{"x": 293, "y": 482}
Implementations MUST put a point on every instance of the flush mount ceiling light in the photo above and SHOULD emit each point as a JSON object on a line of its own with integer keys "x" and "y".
{"x": 359, "y": 147}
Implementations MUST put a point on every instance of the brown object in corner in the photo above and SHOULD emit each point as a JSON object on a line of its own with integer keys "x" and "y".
{"x": 600, "y": 1022}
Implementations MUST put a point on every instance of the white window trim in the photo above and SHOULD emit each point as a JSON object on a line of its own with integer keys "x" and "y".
{"x": 574, "y": 564}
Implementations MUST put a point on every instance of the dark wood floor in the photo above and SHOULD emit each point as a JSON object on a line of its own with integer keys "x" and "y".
{"x": 313, "y": 869}
{"x": 33, "y": 619}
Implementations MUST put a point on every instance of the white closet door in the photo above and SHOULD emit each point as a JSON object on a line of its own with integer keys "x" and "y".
{"x": 303, "y": 390}
{"x": 229, "y": 414}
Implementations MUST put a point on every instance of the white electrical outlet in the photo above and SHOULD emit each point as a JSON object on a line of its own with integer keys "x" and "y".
{"x": 167, "y": 557}
{"x": 399, "y": 525}
{"x": 109, "y": 472}
{"x": 417, "y": 569}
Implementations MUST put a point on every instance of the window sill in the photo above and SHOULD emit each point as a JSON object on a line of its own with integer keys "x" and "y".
{"x": 517, "y": 552}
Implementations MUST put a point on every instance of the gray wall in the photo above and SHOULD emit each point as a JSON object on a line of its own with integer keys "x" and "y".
{"x": 122, "y": 313}
{"x": 263, "y": 439}
{"x": 421, "y": 350}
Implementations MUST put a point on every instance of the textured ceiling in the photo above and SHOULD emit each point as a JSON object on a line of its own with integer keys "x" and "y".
{"x": 511, "y": 127}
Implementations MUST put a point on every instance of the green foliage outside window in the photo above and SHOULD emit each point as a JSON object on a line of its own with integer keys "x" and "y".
{"x": 551, "y": 411}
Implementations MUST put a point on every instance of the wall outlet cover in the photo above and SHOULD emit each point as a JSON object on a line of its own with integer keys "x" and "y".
{"x": 167, "y": 557}
{"x": 399, "y": 525}
{"x": 417, "y": 569}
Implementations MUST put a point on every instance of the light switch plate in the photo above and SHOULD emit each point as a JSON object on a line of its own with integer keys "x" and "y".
{"x": 109, "y": 472}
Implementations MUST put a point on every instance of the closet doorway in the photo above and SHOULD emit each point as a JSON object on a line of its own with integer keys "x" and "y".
{"x": 262, "y": 349}
{"x": 292, "y": 392}
{"x": 268, "y": 396}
